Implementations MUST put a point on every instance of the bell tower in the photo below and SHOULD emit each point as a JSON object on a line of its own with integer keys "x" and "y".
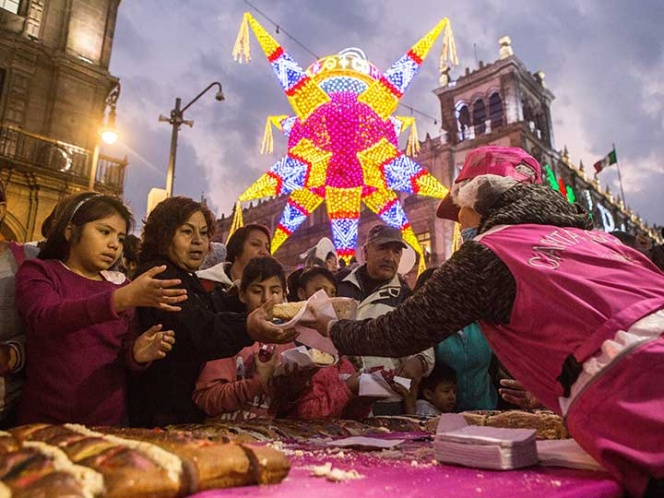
{"x": 500, "y": 103}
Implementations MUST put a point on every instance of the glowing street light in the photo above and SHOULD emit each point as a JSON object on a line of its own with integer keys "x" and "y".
{"x": 108, "y": 133}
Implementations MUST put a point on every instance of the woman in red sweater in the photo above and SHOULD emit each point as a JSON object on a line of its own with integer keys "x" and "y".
{"x": 81, "y": 331}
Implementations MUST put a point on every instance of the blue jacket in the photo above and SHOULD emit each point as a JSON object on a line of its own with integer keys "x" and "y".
{"x": 469, "y": 355}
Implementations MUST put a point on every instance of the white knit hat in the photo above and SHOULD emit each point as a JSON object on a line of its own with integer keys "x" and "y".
{"x": 481, "y": 192}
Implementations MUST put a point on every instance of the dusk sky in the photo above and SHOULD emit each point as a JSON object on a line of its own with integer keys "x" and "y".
{"x": 603, "y": 60}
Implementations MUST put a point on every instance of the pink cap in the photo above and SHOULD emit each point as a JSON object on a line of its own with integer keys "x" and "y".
{"x": 513, "y": 162}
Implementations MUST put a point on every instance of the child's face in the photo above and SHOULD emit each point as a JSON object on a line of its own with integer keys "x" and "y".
{"x": 443, "y": 396}
{"x": 99, "y": 246}
{"x": 258, "y": 293}
{"x": 331, "y": 263}
{"x": 314, "y": 285}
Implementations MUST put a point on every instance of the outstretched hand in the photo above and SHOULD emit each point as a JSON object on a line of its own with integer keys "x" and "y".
{"x": 409, "y": 395}
{"x": 353, "y": 383}
{"x": 288, "y": 387}
{"x": 513, "y": 392}
{"x": 261, "y": 329}
{"x": 412, "y": 368}
{"x": 321, "y": 322}
{"x": 265, "y": 370}
{"x": 153, "y": 344}
{"x": 148, "y": 291}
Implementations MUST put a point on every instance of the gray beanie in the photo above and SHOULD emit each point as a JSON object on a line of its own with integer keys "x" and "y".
{"x": 216, "y": 255}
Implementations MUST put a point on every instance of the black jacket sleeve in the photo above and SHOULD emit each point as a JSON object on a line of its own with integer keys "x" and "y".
{"x": 201, "y": 330}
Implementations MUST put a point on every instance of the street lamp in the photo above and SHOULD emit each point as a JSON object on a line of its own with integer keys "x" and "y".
{"x": 108, "y": 133}
{"x": 177, "y": 119}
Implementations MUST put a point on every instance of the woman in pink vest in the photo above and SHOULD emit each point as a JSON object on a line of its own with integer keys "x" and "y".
{"x": 576, "y": 316}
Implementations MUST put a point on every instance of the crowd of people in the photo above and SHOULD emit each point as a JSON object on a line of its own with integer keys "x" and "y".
{"x": 536, "y": 309}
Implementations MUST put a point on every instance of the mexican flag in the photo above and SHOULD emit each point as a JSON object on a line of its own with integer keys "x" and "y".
{"x": 607, "y": 160}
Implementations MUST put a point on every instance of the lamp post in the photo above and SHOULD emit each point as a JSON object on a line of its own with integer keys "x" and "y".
{"x": 108, "y": 133}
{"x": 176, "y": 119}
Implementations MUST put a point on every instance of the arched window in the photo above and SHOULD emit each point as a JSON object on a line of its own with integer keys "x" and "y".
{"x": 543, "y": 126}
{"x": 479, "y": 116}
{"x": 495, "y": 110}
{"x": 527, "y": 111}
{"x": 463, "y": 119}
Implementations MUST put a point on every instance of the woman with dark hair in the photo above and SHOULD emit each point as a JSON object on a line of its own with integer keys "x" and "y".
{"x": 247, "y": 242}
{"x": 81, "y": 332}
{"x": 177, "y": 234}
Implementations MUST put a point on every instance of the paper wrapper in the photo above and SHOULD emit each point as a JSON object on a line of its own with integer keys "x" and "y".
{"x": 308, "y": 336}
{"x": 375, "y": 386}
{"x": 301, "y": 357}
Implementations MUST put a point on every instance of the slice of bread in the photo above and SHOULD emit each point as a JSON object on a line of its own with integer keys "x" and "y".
{"x": 344, "y": 307}
{"x": 321, "y": 358}
{"x": 287, "y": 311}
{"x": 547, "y": 424}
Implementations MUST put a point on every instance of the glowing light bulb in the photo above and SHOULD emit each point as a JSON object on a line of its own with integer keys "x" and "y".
{"x": 109, "y": 136}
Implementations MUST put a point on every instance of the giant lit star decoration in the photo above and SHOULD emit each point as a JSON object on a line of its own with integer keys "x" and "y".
{"x": 343, "y": 140}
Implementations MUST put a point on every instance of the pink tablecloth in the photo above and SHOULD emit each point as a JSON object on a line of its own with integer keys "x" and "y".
{"x": 410, "y": 472}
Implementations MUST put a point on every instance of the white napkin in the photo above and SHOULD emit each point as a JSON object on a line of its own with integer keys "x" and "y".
{"x": 308, "y": 336}
{"x": 374, "y": 385}
{"x": 483, "y": 447}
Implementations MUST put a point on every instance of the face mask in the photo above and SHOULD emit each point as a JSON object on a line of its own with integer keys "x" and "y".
{"x": 468, "y": 233}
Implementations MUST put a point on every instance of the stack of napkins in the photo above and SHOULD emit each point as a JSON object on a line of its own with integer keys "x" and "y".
{"x": 483, "y": 447}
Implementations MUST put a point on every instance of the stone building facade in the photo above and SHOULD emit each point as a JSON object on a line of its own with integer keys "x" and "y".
{"x": 54, "y": 90}
{"x": 501, "y": 103}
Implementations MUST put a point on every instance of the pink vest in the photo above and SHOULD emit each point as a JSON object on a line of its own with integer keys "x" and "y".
{"x": 574, "y": 290}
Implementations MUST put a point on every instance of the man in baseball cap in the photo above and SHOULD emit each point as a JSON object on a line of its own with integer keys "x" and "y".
{"x": 384, "y": 234}
{"x": 378, "y": 288}
{"x": 511, "y": 162}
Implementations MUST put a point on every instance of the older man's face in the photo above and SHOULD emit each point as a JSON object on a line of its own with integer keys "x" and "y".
{"x": 382, "y": 260}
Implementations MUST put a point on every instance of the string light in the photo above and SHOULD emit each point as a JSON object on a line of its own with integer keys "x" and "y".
{"x": 343, "y": 141}
{"x": 558, "y": 184}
